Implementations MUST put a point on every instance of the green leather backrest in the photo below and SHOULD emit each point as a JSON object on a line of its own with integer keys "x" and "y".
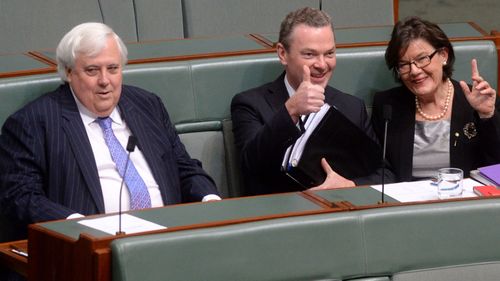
{"x": 216, "y": 81}
{"x": 17, "y": 92}
{"x": 28, "y": 26}
{"x": 158, "y": 19}
{"x": 360, "y": 12}
{"x": 372, "y": 244}
{"x": 198, "y": 93}
{"x": 143, "y": 20}
{"x": 319, "y": 247}
{"x": 218, "y": 17}
{"x": 429, "y": 236}
{"x": 486, "y": 54}
{"x": 171, "y": 81}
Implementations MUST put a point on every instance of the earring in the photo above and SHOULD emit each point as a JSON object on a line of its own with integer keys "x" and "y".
{"x": 444, "y": 63}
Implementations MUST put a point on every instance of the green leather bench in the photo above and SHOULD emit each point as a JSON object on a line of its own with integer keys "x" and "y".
{"x": 198, "y": 93}
{"x": 137, "y": 21}
{"x": 442, "y": 241}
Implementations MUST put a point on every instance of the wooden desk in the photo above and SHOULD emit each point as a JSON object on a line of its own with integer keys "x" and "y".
{"x": 13, "y": 260}
{"x": 83, "y": 253}
{"x": 67, "y": 250}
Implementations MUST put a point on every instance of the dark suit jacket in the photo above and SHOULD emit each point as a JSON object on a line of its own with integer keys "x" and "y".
{"x": 466, "y": 153}
{"x": 48, "y": 170}
{"x": 263, "y": 130}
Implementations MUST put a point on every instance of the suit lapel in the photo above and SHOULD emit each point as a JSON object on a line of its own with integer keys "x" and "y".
{"x": 403, "y": 125}
{"x": 139, "y": 127}
{"x": 460, "y": 115}
{"x": 278, "y": 94}
{"x": 80, "y": 145}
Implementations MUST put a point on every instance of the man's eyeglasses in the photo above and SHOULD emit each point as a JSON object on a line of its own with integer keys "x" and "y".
{"x": 420, "y": 62}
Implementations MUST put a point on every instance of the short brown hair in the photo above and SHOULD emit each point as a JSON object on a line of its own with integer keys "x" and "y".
{"x": 413, "y": 28}
{"x": 308, "y": 16}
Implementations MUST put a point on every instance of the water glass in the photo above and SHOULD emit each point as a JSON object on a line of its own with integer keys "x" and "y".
{"x": 450, "y": 183}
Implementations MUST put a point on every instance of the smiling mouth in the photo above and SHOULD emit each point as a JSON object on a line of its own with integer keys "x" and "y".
{"x": 418, "y": 81}
{"x": 318, "y": 76}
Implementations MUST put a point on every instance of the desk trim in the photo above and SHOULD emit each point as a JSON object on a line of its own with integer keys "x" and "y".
{"x": 14, "y": 261}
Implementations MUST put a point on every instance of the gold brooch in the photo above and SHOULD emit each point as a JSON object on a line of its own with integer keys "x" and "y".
{"x": 470, "y": 130}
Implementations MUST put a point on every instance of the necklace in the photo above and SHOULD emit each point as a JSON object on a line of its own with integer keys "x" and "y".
{"x": 445, "y": 109}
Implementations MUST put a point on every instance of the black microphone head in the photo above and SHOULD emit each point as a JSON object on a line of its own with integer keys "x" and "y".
{"x": 132, "y": 142}
{"x": 387, "y": 112}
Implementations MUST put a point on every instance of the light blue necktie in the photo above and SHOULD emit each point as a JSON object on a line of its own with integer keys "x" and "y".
{"x": 139, "y": 196}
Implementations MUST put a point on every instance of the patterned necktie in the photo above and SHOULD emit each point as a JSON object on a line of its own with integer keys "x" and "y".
{"x": 139, "y": 196}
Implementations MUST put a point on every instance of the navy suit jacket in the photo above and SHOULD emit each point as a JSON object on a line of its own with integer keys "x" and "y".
{"x": 263, "y": 130}
{"x": 473, "y": 142}
{"x": 48, "y": 170}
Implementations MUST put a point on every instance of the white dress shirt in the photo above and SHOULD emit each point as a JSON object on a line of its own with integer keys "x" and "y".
{"x": 109, "y": 177}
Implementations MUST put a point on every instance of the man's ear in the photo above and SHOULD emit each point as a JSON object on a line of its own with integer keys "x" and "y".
{"x": 282, "y": 54}
{"x": 68, "y": 74}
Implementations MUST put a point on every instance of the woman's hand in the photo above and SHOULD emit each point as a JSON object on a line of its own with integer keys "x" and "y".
{"x": 482, "y": 97}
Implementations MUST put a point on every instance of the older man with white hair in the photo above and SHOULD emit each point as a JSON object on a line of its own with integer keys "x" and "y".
{"x": 63, "y": 155}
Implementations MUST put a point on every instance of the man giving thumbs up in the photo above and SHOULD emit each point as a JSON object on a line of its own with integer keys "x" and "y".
{"x": 266, "y": 119}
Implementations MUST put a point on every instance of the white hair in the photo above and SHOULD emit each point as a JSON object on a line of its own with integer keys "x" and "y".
{"x": 85, "y": 39}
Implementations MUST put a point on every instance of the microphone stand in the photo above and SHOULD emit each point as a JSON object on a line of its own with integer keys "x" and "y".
{"x": 383, "y": 161}
{"x": 130, "y": 148}
{"x": 387, "y": 112}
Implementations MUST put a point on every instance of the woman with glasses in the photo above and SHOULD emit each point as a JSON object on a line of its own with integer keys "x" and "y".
{"x": 436, "y": 121}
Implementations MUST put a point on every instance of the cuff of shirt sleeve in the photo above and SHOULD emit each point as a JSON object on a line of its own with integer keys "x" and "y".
{"x": 75, "y": 216}
{"x": 210, "y": 197}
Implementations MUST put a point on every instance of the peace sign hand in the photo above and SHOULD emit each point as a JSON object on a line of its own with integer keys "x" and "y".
{"x": 482, "y": 97}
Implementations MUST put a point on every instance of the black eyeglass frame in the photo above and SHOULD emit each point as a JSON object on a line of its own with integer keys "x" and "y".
{"x": 427, "y": 58}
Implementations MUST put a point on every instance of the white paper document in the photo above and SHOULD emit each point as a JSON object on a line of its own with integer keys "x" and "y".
{"x": 294, "y": 152}
{"x": 130, "y": 224}
{"x": 421, "y": 190}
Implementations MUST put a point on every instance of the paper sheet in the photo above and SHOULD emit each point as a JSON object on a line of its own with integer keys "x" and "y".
{"x": 130, "y": 224}
{"x": 294, "y": 152}
{"x": 421, "y": 190}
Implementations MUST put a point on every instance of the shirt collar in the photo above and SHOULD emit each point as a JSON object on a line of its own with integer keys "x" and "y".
{"x": 289, "y": 88}
{"x": 89, "y": 117}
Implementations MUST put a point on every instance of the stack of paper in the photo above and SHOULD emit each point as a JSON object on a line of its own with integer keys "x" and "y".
{"x": 425, "y": 190}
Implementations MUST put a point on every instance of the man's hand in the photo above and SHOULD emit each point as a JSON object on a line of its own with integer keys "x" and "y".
{"x": 482, "y": 97}
{"x": 308, "y": 97}
{"x": 333, "y": 180}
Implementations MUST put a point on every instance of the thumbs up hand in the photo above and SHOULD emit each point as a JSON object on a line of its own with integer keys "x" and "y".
{"x": 308, "y": 97}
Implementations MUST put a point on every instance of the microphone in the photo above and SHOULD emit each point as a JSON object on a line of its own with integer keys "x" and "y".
{"x": 387, "y": 114}
{"x": 131, "y": 143}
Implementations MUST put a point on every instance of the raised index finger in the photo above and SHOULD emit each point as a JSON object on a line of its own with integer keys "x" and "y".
{"x": 475, "y": 70}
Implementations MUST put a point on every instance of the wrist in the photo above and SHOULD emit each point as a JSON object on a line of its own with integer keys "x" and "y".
{"x": 292, "y": 112}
